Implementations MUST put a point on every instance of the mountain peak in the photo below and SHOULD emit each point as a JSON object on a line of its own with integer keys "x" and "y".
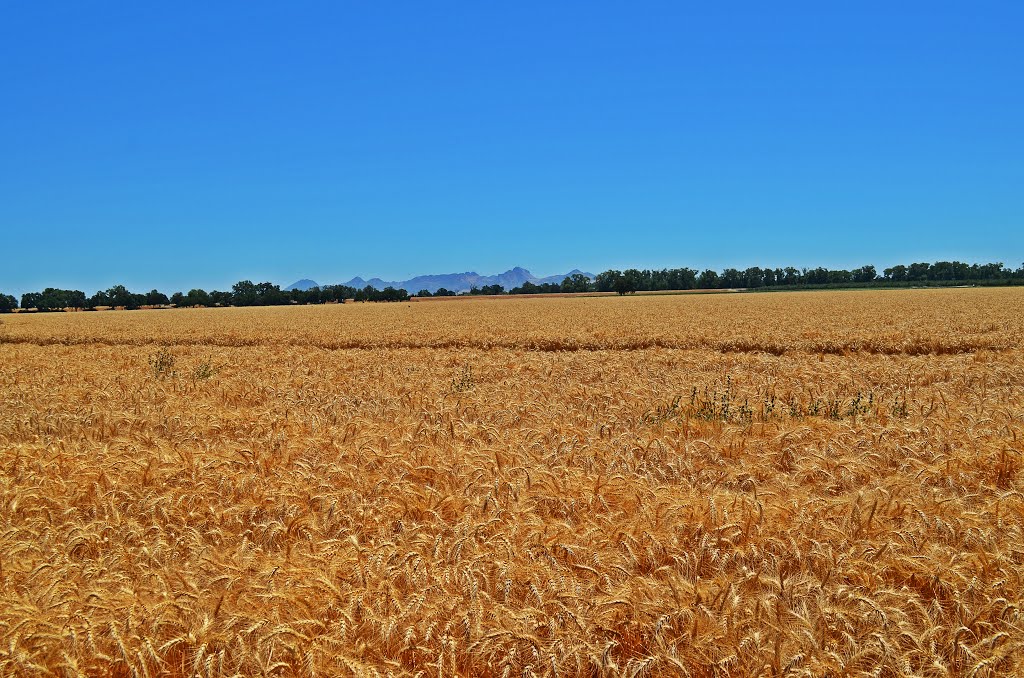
{"x": 304, "y": 284}
{"x": 457, "y": 282}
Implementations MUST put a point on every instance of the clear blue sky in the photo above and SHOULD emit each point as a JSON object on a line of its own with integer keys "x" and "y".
{"x": 173, "y": 145}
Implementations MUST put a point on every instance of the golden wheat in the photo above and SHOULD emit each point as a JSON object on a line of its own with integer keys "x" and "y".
{"x": 784, "y": 484}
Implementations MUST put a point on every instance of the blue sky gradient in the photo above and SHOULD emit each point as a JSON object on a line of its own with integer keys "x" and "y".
{"x": 173, "y": 145}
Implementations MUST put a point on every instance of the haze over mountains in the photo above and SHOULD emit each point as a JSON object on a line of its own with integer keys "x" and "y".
{"x": 456, "y": 282}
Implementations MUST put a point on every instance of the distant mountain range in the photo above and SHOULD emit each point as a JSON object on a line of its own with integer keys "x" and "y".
{"x": 456, "y": 282}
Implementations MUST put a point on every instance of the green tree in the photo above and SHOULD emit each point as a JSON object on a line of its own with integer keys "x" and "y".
{"x": 839, "y": 277}
{"x": 896, "y": 273}
{"x": 391, "y": 294}
{"x": 337, "y": 293}
{"x": 220, "y": 298}
{"x": 605, "y": 282}
{"x": 731, "y": 278}
{"x": 269, "y": 294}
{"x": 629, "y": 282}
{"x": 118, "y": 295}
{"x": 917, "y": 272}
{"x": 526, "y": 288}
{"x": 99, "y": 299}
{"x": 707, "y": 280}
{"x": 577, "y": 282}
{"x": 992, "y": 271}
{"x": 30, "y": 300}
{"x": 54, "y": 299}
{"x": 865, "y": 274}
{"x": 197, "y": 297}
{"x": 156, "y": 298}
{"x": 243, "y": 293}
{"x": 816, "y": 276}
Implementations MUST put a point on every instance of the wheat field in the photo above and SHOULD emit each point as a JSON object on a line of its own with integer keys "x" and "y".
{"x": 819, "y": 483}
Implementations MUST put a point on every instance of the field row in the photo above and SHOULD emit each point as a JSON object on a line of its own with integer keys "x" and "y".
{"x": 911, "y": 322}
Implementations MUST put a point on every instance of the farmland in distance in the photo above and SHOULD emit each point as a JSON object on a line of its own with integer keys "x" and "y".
{"x": 777, "y": 484}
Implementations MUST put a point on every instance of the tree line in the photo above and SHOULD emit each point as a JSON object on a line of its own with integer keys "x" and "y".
{"x": 941, "y": 272}
{"x": 667, "y": 279}
{"x": 247, "y": 293}
{"x": 243, "y": 293}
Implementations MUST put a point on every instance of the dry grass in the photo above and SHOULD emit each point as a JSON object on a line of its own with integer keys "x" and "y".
{"x": 793, "y": 484}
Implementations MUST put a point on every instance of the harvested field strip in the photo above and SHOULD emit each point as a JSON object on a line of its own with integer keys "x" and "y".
{"x": 918, "y": 347}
